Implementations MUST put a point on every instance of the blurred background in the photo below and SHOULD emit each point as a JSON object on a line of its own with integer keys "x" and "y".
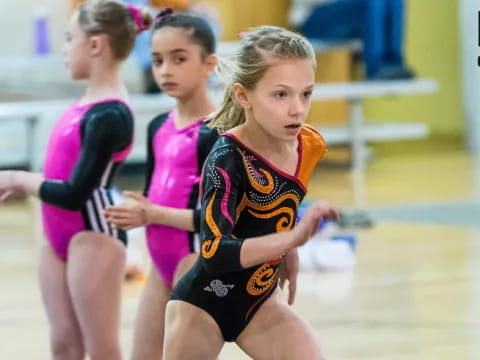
{"x": 399, "y": 277}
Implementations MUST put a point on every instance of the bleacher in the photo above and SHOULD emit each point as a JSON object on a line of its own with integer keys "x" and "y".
{"x": 35, "y": 119}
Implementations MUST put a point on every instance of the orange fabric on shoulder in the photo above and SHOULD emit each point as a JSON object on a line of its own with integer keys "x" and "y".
{"x": 313, "y": 148}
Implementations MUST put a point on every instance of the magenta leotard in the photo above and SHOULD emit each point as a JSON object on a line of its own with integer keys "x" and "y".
{"x": 85, "y": 148}
{"x": 175, "y": 161}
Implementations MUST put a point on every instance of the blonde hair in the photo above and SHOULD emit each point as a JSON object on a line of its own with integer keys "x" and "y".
{"x": 115, "y": 19}
{"x": 257, "y": 50}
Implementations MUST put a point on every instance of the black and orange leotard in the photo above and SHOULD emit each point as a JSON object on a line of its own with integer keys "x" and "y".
{"x": 244, "y": 196}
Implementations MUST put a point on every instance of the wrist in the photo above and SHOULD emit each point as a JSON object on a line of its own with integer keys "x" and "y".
{"x": 295, "y": 235}
{"x": 25, "y": 182}
{"x": 290, "y": 241}
{"x": 148, "y": 217}
{"x": 292, "y": 252}
{"x": 14, "y": 180}
{"x": 154, "y": 214}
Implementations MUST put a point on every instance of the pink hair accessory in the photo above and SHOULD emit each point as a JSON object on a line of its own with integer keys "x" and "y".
{"x": 244, "y": 34}
{"x": 137, "y": 17}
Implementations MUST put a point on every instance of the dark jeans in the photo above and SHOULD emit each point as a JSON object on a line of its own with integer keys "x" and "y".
{"x": 379, "y": 23}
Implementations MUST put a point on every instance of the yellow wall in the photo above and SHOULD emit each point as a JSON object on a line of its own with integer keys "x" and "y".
{"x": 239, "y": 15}
{"x": 433, "y": 50}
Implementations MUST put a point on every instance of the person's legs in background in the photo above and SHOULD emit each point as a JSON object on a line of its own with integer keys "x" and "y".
{"x": 374, "y": 37}
{"x": 395, "y": 35}
{"x": 395, "y": 55}
{"x": 335, "y": 21}
{"x": 342, "y": 20}
{"x": 383, "y": 40}
{"x": 379, "y": 23}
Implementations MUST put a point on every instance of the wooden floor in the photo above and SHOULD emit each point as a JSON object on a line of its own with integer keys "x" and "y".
{"x": 415, "y": 293}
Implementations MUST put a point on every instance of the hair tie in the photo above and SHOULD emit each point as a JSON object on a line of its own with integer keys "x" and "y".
{"x": 137, "y": 17}
{"x": 163, "y": 14}
{"x": 244, "y": 34}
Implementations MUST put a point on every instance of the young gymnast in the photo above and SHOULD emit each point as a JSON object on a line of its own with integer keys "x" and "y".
{"x": 82, "y": 262}
{"x": 253, "y": 182}
{"x": 183, "y": 48}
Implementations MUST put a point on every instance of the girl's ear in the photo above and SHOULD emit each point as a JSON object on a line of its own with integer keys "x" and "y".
{"x": 210, "y": 62}
{"x": 97, "y": 44}
{"x": 240, "y": 94}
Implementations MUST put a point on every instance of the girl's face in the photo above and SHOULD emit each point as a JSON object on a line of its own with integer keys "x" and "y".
{"x": 76, "y": 50}
{"x": 179, "y": 65}
{"x": 281, "y": 100}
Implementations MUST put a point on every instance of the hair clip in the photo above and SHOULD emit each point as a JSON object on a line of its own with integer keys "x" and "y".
{"x": 137, "y": 17}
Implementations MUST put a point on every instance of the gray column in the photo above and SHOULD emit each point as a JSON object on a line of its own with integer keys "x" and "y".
{"x": 469, "y": 34}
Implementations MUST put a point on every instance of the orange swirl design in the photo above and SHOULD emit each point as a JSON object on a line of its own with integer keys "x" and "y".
{"x": 262, "y": 279}
{"x": 284, "y": 223}
{"x": 210, "y": 247}
{"x": 264, "y": 189}
{"x": 248, "y": 203}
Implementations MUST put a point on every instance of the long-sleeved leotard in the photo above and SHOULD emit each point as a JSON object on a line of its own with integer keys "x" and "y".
{"x": 174, "y": 164}
{"x": 244, "y": 196}
{"x": 85, "y": 148}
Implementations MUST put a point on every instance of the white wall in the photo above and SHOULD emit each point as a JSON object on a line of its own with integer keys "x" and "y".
{"x": 17, "y": 24}
{"x": 20, "y": 69}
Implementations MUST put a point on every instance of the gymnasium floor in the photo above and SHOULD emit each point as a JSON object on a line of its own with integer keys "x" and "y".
{"x": 414, "y": 294}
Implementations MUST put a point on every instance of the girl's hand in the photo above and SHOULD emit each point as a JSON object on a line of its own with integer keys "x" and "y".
{"x": 289, "y": 272}
{"x": 7, "y": 186}
{"x": 307, "y": 227}
{"x": 130, "y": 216}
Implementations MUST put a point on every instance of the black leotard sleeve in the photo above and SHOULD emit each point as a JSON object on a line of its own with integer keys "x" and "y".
{"x": 106, "y": 129}
{"x": 222, "y": 184}
{"x": 206, "y": 139}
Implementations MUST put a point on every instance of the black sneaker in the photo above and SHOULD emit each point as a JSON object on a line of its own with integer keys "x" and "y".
{"x": 397, "y": 72}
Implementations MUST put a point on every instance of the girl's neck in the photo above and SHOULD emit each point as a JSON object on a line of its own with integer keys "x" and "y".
{"x": 255, "y": 137}
{"x": 105, "y": 82}
{"x": 283, "y": 155}
{"x": 195, "y": 106}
